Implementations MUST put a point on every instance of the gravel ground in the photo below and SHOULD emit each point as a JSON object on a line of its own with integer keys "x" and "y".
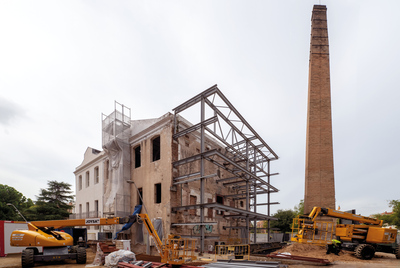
{"x": 347, "y": 261}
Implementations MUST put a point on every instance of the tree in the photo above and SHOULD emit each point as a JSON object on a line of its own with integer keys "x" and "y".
{"x": 394, "y": 218}
{"x": 8, "y": 194}
{"x": 284, "y": 222}
{"x": 395, "y": 205}
{"x": 53, "y": 203}
{"x": 285, "y": 218}
{"x": 299, "y": 209}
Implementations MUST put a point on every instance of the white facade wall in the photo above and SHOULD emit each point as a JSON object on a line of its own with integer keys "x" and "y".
{"x": 90, "y": 190}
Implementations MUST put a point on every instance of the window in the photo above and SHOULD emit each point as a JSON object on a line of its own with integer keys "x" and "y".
{"x": 137, "y": 157}
{"x": 87, "y": 178}
{"x": 157, "y": 193}
{"x": 209, "y": 210}
{"x": 156, "y": 149}
{"x": 220, "y": 200}
{"x": 106, "y": 170}
{"x": 87, "y": 209}
{"x": 96, "y": 175}
{"x": 140, "y": 196}
{"x": 96, "y": 208}
{"x": 80, "y": 182}
{"x": 80, "y": 211}
{"x": 193, "y": 201}
{"x": 96, "y": 213}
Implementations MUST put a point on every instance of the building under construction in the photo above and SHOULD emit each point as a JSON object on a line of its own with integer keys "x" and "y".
{"x": 201, "y": 172}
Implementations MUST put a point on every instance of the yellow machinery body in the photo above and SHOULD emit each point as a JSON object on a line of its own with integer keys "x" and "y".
{"x": 39, "y": 238}
{"x": 39, "y": 233}
{"x": 364, "y": 237}
{"x": 56, "y": 244}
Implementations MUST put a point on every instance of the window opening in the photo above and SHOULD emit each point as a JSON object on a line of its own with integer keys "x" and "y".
{"x": 80, "y": 182}
{"x": 137, "y": 157}
{"x": 96, "y": 175}
{"x": 220, "y": 200}
{"x": 140, "y": 190}
{"x": 87, "y": 178}
{"x": 87, "y": 209}
{"x": 157, "y": 191}
{"x": 96, "y": 208}
{"x": 209, "y": 210}
{"x": 193, "y": 201}
{"x": 156, "y": 149}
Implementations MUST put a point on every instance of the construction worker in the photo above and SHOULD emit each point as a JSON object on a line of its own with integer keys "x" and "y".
{"x": 335, "y": 247}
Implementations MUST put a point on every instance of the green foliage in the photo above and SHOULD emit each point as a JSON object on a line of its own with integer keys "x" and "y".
{"x": 9, "y": 195}
{"x": 285, "y": 218}
{"x": 299, "y": 209}
{"x": 53, "y": 203}
{"x": 394, "y": 218}
{"x": 284, "y": 222}
{"x": 395, "y": 205}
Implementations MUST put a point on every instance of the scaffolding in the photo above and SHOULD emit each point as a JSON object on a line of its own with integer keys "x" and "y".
{"x": 245, "y": 155}
{"x": 116, "y": 129}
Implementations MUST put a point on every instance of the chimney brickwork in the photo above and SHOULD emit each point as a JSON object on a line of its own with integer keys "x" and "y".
{"x": 319, "y": 175}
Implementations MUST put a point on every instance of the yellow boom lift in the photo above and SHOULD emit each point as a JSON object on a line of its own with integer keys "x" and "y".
{"x": 363, "y": 235}
{"x": 175, "y": 250}
{"x": 56, "y": 245}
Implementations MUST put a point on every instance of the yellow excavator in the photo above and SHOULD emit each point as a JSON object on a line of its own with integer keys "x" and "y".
{"x": 363, "y": 235}
{"x": 57, "y": 245}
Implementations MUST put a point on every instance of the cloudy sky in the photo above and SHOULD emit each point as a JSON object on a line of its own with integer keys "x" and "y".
{"x": 63, "y": 63}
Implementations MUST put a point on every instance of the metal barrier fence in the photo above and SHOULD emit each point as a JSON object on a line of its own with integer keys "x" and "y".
{"x": 179, "y": 250}
{"x": 232, "y": 252}
{"x": 317, "y": 232}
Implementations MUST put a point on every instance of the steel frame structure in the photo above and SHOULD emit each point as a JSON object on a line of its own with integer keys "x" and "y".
{"x": 246, "y": 156}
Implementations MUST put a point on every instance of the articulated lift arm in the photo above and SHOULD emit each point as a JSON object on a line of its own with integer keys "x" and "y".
{"x": 56, "y": 224}
{"x": 152, "y": 232}
{"x": 318, "y": 211}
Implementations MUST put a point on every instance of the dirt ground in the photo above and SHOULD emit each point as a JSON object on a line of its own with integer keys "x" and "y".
{"x": 344, "y": 260}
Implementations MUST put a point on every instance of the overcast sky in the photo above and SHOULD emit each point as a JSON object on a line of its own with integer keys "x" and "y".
{"x": 63, "y": 63}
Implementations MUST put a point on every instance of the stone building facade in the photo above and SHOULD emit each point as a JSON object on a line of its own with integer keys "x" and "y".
{"x": 190, "y": 181}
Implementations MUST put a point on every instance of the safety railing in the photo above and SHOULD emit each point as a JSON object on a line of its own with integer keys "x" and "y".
{"x": 179, "y": 250}
{"x": 312, "y": 232}
{"x": 241, "y": 252}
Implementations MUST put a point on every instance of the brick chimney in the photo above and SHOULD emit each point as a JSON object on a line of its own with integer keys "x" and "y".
{"x": 319, "y": 175}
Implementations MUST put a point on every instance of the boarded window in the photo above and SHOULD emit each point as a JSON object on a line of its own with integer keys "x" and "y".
{"x": 157, "y": 193}
{"x": 156, "y": 149}
{"x": 193, "y": 201}
{"x": 138, "y": 159}
{"x": 209, "y": 210}
{"x": 140, "y": 196}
